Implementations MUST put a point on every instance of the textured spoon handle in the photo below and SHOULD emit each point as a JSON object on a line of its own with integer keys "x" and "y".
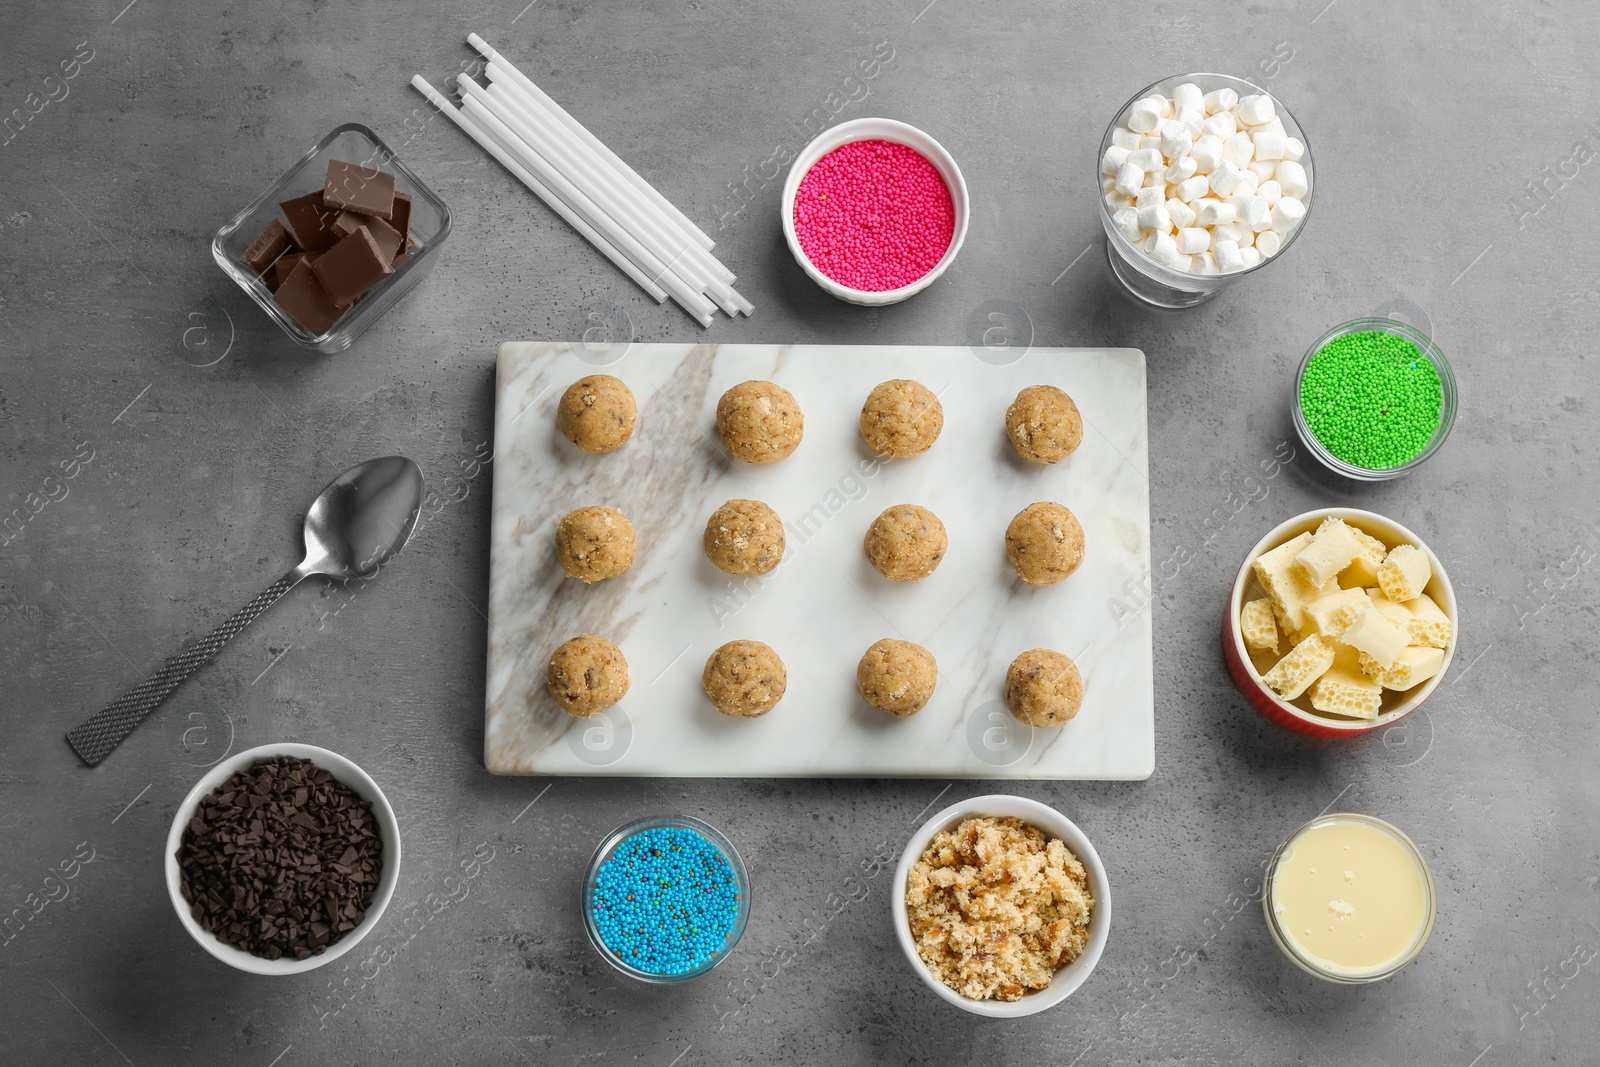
{"x": 94, "y": 738}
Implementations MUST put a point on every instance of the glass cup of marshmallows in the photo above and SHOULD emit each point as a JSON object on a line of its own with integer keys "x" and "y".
{"x": 1204, "y": 178}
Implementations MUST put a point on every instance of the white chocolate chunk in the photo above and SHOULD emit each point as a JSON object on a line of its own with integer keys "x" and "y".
{"x": 1405, "y": 573}
{"x": 1257, "y": 626}
{"x": 1413, "y": 666}
{"x": 1332, "y": 613}
{"x": 1333, "y": 548}
{"x": 1304, "y": 664}
{"x": 1284, "y": 583}
{"x": 1429, "y": 624}
{"x": 1349, "y": 694}
{"x": 1377, "y": 636}
{"x": 1396, "y": 613}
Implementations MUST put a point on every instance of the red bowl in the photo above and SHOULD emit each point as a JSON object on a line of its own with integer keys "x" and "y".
{"x": 1289, "y": 715}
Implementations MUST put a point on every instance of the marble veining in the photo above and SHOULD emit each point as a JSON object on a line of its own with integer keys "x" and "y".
{"x": 824, "y": 604}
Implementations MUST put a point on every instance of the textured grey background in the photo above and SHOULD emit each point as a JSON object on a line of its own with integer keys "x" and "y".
{"x": 1431, "y": 122}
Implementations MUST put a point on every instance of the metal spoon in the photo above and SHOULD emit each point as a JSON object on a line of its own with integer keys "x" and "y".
{"x": 354, "y": 527}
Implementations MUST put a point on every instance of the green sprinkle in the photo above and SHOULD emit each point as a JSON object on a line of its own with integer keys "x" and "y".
{"x": 1372, "y": 398}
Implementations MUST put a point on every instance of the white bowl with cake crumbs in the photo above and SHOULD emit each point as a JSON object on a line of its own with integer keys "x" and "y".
{"x": 1001, "y": 906}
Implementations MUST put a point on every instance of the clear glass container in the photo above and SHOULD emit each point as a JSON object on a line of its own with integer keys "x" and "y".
{"x": 1447, "y": 409}
{"x": 1155, "y": 283}
{"x": 353, "y": 143}
{"x": 673, "y": 822}
{"x": 1315, "y": 967}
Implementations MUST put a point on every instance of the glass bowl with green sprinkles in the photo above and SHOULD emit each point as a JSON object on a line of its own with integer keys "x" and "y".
{"x": 665, "y": 899}
{"x": 1373, "y": 399}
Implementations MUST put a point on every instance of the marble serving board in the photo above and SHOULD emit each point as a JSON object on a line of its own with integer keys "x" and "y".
{"x": 824, "y": 604}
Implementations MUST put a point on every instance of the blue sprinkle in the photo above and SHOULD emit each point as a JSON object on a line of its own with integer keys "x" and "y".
{"x": 688, "y": 916}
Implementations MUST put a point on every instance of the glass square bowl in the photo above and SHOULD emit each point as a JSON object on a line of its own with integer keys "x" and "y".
{"x": 352, "y": 143}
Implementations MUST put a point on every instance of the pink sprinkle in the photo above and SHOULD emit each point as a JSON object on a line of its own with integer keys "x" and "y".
{"x": 873, "y": 215}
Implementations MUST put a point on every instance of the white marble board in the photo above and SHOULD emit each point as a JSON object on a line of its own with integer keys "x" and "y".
{"x": 824, "y": 604}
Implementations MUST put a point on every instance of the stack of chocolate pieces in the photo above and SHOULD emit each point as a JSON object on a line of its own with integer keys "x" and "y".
{"x": 333, "y": 245}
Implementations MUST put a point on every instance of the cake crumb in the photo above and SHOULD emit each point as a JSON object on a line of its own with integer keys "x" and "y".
{"x": 997, "y": 907}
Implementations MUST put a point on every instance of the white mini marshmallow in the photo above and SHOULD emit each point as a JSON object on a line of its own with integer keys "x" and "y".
{"x": 1256, "y": 214}
{"x": 1154, "y": 217}
{"x": 1228, "y": 231}
{"x": 1163, "y": 248}
{"x": 1270, "y": 191}
{"x": 1207, "y": 153}
{"x": 1175, "y": 139}
{"x": 1129, "y": 179}
{"x": 1294, "y": 148}
{"x": 1263, "y": 169}
{"x": 1123, "y": 137}
{"x": 1116, "y": 201}
{"x": 1256, "y": 110}
{"x": 1192, "y": 118}
{"x": 1151, "y": 140}
{"x": 1167, "y": 108}
{"x": 1145, "y": 115}
{"x": 1246, "y": 239}
{"x": 1273, "y": 125}
{"x": 1249, "y": 180}
{"x": 1192, "y": 189}
{"x": 1115, "y": 157}
{"x": 1250, "y": 257}
{"x": 1182, "y": 214}
{"x": 1239, "y": 149}
{"x": 1212, "y": 212}
{"x": 1268, "y": 242}
{"x": 1292, "y": 176}
{"x": 1193, "y": 239}
{"x": 1189, "y": 95}
{"x": 1147, "y": 159}
{"x": 1222, "y": 124}
{"x": 1203, "y": 263}
{"x": 1225, "y": 180}
{"x": 1149, "y": 196}
{"x": 1269, "y": 143}
{"x": 1149, "y": 243}
{"x": 1221, "y": 100}
{"x": 1126, "y": 219}
{"x": 1228, "y": 257}
{"x": 1177, "y": 261}
{"x": 1287, "y": 213}
{"x": 1181, "y": 169}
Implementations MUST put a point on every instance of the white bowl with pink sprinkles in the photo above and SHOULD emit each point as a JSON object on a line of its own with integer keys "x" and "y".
{"x": 874, "y": 210}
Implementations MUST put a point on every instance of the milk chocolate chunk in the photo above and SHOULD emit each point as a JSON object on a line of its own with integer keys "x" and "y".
{"x": 304, "y": 299}
{"x": 401, "y": 219}
{"x": 352, "y": 187}
{"x": 269, "y": 244}
{"x": 311, "y": 222}
{"x": 390, "y": 241}
{"x": 282, "y": 268}
{"x": 351, "y": 267}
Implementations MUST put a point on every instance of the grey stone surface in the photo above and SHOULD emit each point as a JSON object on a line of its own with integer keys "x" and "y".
{"x": 208, "y": 433}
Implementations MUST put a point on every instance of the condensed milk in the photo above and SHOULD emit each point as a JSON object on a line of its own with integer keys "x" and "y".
{"x": 1349, "y": 898}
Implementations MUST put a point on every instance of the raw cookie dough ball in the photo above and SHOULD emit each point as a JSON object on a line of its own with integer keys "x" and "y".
{"x": 759, "y": 422}
{"x": 745, "y": 679}
{"x": 1043, "y": 688}
{"x": 586, "y": 675}
{"x": 897, "y": 676}
{"x": 1043, "y": 424}
{"x": 906, "y": 542}
{"x": 744, "y": 537}
{"x": 901, "y": 418}
{"x": 1044, "y": 543}
{"x": 597, "y": 413}
{"x": 595, "y": 543}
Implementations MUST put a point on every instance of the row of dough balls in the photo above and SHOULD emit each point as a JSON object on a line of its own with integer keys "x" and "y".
{"x": 760, "y": 422}
{"x": 746, "y": 679}
{"x": 1044, "y": 541}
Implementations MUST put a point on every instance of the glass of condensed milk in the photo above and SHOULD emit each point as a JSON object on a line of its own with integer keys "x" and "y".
{"x": 1349, "y": 898}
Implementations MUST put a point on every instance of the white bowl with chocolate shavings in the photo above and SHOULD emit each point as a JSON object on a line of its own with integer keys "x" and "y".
{"x": 1001, "y": 906}
{"x": 282, "y": 858}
